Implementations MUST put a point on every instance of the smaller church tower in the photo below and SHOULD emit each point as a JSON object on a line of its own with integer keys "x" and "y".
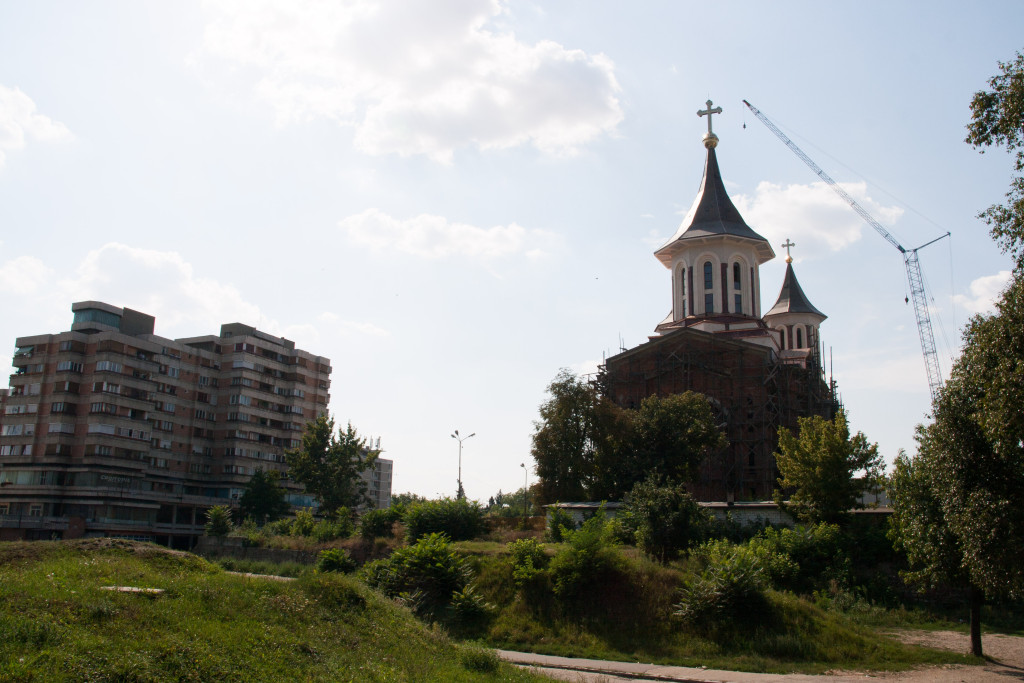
{"x": 715, "y": 258}
{"x": 793, "y": 318}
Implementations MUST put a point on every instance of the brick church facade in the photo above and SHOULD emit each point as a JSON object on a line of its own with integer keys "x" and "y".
{"x": 760, "y": 372}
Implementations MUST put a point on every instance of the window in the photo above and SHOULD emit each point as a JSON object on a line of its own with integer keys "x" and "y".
{"x": 69, "y": 366}
{"x": 35, "y": 510}
{"x": 108, "y": 366}
{"x": 107, "y": 387}
{"x": 782, "y": 338}
{"x": 61, "y": 428}
{"x": 799, "y": 338}
{"x": 16, "y": 449}
{"x": 240, "y": 400}
{"x": 682, "y": 288}
{"x": 100, "y": 407}
{"x": 709, "y": 287}
{"x": 101, "y": 429}
{"x": 737, "y": 287}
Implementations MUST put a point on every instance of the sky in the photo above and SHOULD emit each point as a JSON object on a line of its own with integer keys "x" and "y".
{"x": 454, "y": 199}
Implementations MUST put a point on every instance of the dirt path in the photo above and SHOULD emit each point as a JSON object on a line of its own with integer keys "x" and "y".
{"x": 1005, "y": 655}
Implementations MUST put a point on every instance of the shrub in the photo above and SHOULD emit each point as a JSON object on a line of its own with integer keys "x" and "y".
{"x": 560, "y": 524}
{"x": 732, "y": 585}
{"x": 377, "y": 523}
{"x": 528, "y": 560}
{"x": 335, "y": 560}
{"x": 459, "y": 520}
{"x": 586, "y": 561}
{"x": 218, "y": 521}
{"x": 303, "y": 523}
{"x": 817, "y": 552}
{"x": 668, "y": 520}
{"x": 425, "y": 575}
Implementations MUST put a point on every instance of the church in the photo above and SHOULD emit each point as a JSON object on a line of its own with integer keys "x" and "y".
{"x": 761, "y": 371}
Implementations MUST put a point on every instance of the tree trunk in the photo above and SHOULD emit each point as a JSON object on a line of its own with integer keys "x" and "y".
{"x": 977, "y": 597}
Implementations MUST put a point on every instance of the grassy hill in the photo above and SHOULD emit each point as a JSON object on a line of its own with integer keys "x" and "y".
{"x": 57, "y": 623}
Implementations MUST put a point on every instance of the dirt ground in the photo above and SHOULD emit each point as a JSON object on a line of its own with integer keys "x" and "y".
{"x": 1005, "y": 655}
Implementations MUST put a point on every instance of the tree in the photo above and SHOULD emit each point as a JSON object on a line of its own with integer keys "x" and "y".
{"x": 974, "y": 454}
{"x": 673, "y": 434}
{"x": 819, "y": 466}
{"x": 588, "y": 448}
{"x": 919, "y": 528}
{"x": 218, "y": 521}
{"x": 563, "y": 439}
{"x": 264, "y": 498}
{"x": 997, "y": 118}
{"x": 329, "y": 464}
{"x": 667, "y": 518}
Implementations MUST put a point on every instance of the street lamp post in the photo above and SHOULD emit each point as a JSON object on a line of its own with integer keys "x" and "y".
{"x": 460, "y": 439}
{"x": 526, "y": 490}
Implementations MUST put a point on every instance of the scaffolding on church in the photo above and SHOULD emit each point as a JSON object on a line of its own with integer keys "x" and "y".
{"x": 753, "y": 393}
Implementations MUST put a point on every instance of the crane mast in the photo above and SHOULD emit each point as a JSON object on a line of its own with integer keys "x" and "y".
{"x": 910, "y": 260}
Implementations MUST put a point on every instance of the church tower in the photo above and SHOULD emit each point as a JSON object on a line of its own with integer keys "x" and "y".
{"x": 794, "y": 318}
{"x": 715, "y": 258}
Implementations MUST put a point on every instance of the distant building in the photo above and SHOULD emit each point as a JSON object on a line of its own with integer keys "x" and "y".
{"x": 760, "y": 372}
{"x": 378, "y": 482}
{"x": 110, "y": 430}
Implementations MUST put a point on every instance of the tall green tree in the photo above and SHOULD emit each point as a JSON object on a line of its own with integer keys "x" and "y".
{"x": 563, "y": 439}
{"x": 997, "y": 118}
{"x": 328, "y": 464}
{"x": 264, "y": 499}
{"x": 820, "y": 466}
{"x": 588, "y": 448}
{"x": 974, "y": 450}
{"x": 672, "y": 436}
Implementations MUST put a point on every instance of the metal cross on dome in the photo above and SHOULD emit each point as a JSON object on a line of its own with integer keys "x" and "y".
{"x": 708, "y": 112}
{"x": 787, "y": 245}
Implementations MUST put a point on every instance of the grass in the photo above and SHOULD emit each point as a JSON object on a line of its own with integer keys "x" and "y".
{"x": 290, "y": 569}
{"x": 57, "y": 624}
{"x": 629, "y": 618}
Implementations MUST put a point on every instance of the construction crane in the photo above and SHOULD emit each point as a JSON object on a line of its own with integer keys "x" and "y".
{"x": 917, "y": 293}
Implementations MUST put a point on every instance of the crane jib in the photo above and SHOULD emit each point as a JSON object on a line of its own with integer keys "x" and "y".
{"x": 914, "y": 276}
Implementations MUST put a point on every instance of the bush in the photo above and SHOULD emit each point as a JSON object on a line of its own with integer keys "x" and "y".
{"x": 377, "y": 523}
{"x": 426, "y": 575}
{"x": 528, "y": 561}
{"x": 817, "y": 552}
{"x": 303, "y": 523}
{"x": 459, "y": 520}
{"x": 560, "y": 524}
{"x": 335, "y": 560}
{"x": 668, "y": 520}
{"x": 586, "y": 561}
{"x": 732, "y": 585}
{"x": 218, "y": 521}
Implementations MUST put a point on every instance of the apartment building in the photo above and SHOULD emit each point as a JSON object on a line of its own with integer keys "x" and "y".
{"x": 110, "y": 430}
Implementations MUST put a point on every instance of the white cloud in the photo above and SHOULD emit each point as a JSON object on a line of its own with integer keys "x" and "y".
{"x": 415, "y": 78}
{"x": 19, "y": 121}
{"x": 813, "y": 216}
{"x": 23, "y": 275}
{"x": 435, "y": 237}
{"x": 984, "y": 292}
{"x": 160, "y": 283}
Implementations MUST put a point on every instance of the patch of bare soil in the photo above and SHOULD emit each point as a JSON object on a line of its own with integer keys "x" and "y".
{"x": 1004, "y": 657}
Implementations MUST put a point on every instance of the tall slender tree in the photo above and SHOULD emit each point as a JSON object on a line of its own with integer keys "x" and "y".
{"x": 328, "y": 464}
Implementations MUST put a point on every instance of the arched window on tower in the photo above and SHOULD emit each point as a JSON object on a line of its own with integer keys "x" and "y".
{"x": 737, "y": 289}
{"x": 709, "y": 289}
{"x": 799, "y": 338}
{"x": 682, "y": 289}
{"x": 782, "y": 337}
